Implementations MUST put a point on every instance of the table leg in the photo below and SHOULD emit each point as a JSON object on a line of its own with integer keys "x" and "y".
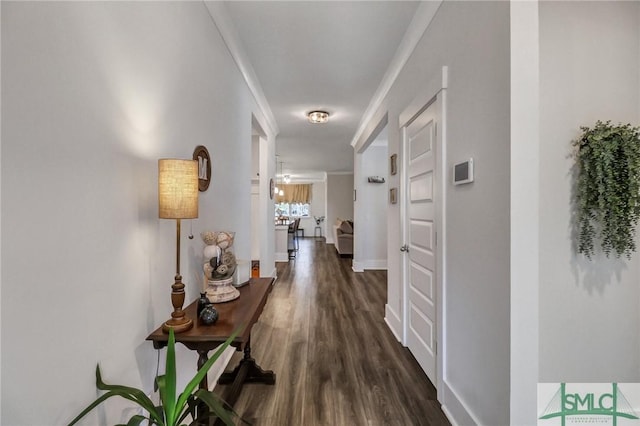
{"x": 246, "y": 372}
{"x": 202, "y": 359}
{"x": 203, "y": 411}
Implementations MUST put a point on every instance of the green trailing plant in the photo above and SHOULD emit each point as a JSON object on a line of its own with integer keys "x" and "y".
{"x": 608, "y": 188}
{"x": 174, "y": 408}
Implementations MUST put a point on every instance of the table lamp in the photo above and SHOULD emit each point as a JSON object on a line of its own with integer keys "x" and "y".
{"x": 177, "y": 199}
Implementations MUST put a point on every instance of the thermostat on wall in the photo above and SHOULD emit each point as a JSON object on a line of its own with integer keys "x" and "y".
{"x": 463, "y": 172}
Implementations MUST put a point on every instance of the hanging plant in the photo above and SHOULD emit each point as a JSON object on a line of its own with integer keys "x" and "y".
{"x": 608, "y": 188}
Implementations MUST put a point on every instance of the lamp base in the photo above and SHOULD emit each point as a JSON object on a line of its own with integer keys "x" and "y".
{"x": 179, "y": 322}
{"x": 178, "y": 325}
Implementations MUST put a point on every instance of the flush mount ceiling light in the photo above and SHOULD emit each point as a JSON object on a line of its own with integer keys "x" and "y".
{"x": 318, "y": 117}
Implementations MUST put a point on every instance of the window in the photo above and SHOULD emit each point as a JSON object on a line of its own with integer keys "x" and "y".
{"x": 293, "y": 201}
{"x": 292, "y": 209}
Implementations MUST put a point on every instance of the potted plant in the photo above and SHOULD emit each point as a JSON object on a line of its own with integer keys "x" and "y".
{"x": 174, "y": 408}
{"x": 608, "y": 188}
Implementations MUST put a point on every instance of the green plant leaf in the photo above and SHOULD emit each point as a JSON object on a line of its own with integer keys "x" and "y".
{"x": 172, "y": 411}
{"x": 135, "y": 394}
{"x": 191, "y": 409}
{"x": 126, "y": 392}
{"x": 191, "y": 386}
{"x": 91, "y": 406}
{"x": 216, "y": 406}
{"x": 136, "y": 420}
{"x": 159, "y": 413}
{"x": 161, "y": 385}
{"x": 607, "y": 189}
{"x": 168, "y": 390}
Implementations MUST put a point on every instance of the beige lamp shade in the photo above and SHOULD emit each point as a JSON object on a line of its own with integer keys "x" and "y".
{"x": 177, "y": 189}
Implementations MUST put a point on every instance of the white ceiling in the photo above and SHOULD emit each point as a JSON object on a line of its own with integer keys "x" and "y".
{"x": 327, "y": 55}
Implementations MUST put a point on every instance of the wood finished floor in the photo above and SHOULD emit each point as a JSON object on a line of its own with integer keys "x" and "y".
{"x": 336, "y": 362}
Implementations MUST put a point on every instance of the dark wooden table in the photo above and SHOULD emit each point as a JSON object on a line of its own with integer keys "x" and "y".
{"x": 201, "y": 338}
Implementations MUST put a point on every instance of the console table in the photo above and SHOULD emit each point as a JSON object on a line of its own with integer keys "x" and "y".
{"x": 201, "y": 338}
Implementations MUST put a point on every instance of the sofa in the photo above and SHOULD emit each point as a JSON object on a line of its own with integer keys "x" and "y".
{"x": 343, "y": 237}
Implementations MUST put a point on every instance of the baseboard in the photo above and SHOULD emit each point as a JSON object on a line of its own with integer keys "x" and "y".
{"x": 361, "y": 265}
{"x": 393, "y": 322}
{"x": 282, "y": 257}
{"x": 448, "y": 415}
{"x": 274, "y": 273}
{"x": 454, "y": 407}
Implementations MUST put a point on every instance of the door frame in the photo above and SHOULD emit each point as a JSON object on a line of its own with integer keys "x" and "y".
{"x": 434, "y": 93}
{"x": 265, "y": 204}
{"x": 358, "y": 263}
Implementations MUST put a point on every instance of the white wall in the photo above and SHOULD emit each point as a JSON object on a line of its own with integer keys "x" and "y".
{"x": 472, "y": 39}
{"x": 93, "y": 94}
{"x": 370, "y": 209}
{"x": 256, "y": 230}
{"x": 339, "y": 201}
{"x": 589, "y": 310}
{"x": 255, "y": 157}
{"x": 255, "y": 221}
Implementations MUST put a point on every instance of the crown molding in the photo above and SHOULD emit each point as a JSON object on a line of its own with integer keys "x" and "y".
{"x": 419, "y": 24}
{"x": 223, "y": 21}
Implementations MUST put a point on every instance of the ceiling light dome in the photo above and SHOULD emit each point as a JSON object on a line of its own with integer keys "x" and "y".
{"x": 318, "y": 117}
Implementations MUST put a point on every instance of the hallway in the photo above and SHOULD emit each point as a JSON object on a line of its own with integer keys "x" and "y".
{"x": 322, "y": 332}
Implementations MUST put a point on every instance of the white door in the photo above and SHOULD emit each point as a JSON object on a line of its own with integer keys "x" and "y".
{"x": 420, "y": 239}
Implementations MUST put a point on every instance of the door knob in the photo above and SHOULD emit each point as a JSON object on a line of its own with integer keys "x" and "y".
{"x": 405, "y": 248}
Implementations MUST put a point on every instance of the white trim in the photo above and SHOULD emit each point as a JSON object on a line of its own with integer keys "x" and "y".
{"x": 442, "y": 246}
{"x": 525, "y": 219}
{"x": 448, "y": 415}
{"x": 455, "y": 408}
{"x": 433, "y": 93}
{"x": 425, "y": 95}
{"x": 371, "y": 131}
{"x": 224, "y": 23}
{"x": 339, "y": 173}
{"x": 393, "y": 321}
{"x": 361, "y": 265}
{"x": 0, "y": 245}
{"x": 379, "y": 143}
{"x": 419, "y": 24}
{"x": 282, "y": 257}
{"x": 403, "y": 234}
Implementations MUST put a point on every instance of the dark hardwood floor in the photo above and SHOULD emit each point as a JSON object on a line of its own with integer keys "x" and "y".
{"x": 322, "y": 332}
